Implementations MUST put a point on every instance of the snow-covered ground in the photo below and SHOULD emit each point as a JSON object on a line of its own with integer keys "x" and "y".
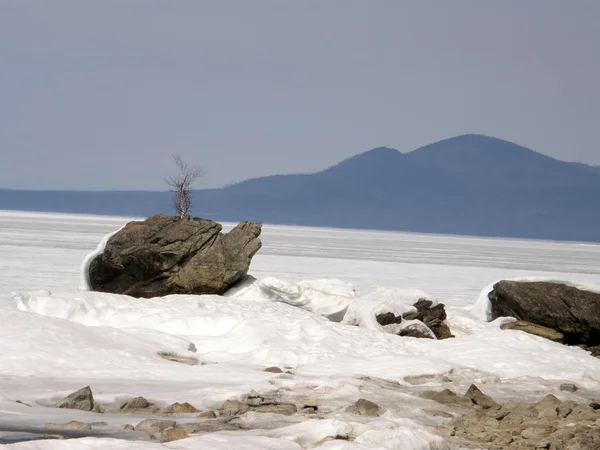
{"x": 55, "y": 339}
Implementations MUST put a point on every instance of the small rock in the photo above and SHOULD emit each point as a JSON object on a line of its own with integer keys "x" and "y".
{"x": 548, "y": 401}
{"x": 437, "y": 413}
{"x": 543, "y": 445}
{"x": 388, "y": 318}
{"x": 207, "y": 415}
{"x": 21, "y": 403}
{"x": 285, "y": 409}
{"x": 127, "y": 427}
{"x": 154, "y": 425}
{"x": 232, "y": 408}
{"x": 537, "y": 330}
{"x": 170, "y": 356}
{"x": 364, "y": 407}
{"x": 180, "y": 408}
{"x": 211, "y": 426}
{"x": 136, "y": 403}
{"x": 447, "y": 397}
{"x": 417, "y": 330}
{"x": 479, "y": 398}
{"x": 568, "y": 387}
{"x": 98, "y": 424}
{"x": 173, "y": 434}
{"x": 595, "y": 406}
{"x": 81, "y": 399}
{"x": 72, "y": 425}
{"x": 273, "y": 369}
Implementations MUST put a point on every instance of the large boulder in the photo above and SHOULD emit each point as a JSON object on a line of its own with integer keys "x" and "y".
{"x": 573, "y": 312}
{"x": 170, "y": 255}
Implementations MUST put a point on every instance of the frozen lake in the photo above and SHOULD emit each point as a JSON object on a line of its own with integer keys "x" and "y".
{"x": 44, "y": 251}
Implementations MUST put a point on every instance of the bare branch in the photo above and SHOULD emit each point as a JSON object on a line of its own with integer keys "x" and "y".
{"x": 181, "y": 185}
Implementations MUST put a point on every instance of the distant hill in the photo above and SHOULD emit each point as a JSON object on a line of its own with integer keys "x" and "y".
{"x": 470, "y": 184}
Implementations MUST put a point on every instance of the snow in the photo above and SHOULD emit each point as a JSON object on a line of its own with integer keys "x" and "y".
{"x": 311, "y": 287}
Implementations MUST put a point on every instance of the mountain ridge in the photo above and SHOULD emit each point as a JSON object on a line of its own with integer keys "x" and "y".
{"x": 469, "y": 185}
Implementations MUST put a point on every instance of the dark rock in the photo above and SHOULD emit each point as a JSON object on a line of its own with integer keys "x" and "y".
{"x": 136, "y": 403}
{"x": 388, "y": 318}
{"x": 364, "y": 407}
{"x": 481, "y": 399}
{"x": 273, "y": 369}
{"x": 595, "y": 406}
{"x": 82, "y": 400}
{"x": 573, "y": 312}
{"x": 128, "y": 427}
{"x": 531, "y": 328}
{"x": 168, "y": 255}
{"x": 174, "y": 357}
{"x": 432, "y": 316}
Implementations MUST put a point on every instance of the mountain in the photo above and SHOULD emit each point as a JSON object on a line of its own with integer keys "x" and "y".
{"x": 470, "y": 184}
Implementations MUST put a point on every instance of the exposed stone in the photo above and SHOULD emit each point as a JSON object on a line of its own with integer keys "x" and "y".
{"x": 447, "y": 397}
{"x": 531, "y": 328}
{"x": 207, "y": 415}
{"x": 170, "y": 356}
{"x": 434, "y": 317}
{"x": 168, "y": 255}
{"x": 284, "y": 409}
{"x": 438, "y": 413}
{"x": 573, "y": 312}
{"x": 81, "y": 399}
{"x": 154, "y": 425}
{"x": 211, "y": 426}
{"x": 136, "y": 403}
{"x": 98, "y": 424}
{"x": 72, "y": 425}
{"x": 233, "y": 408}
{"x": 388, "y": 318}
{"x": 364, "y": 407}
{"x": 273, "y": 369}
{"x": 21, "y": 403}
{"x": 417, "y": 330}
{"x": 568, "y": 387}
{"x": 179, "y": 408}
{"x": 174, "y": 434}
{"x": 479, "y": 398}
{"x": 128, "y": 427}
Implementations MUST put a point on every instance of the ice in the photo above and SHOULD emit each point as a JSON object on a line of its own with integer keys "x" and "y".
{"x": 310, "y": 288}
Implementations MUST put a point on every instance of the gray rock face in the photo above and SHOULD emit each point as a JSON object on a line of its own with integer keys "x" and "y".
{"x": 82, "y": 399}
{"x": 573, "y": 312}
{"x": 154, "y": 425}
{"x": 167, "y": 255}
{"x": 136, "y": 403}
{"x": 481, "y": 399}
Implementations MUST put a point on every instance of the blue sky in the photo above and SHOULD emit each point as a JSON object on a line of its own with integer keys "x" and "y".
{"x": 98, "y": 95}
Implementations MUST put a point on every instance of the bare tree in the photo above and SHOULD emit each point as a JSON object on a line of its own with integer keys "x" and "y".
{"x": 181, "y": 185}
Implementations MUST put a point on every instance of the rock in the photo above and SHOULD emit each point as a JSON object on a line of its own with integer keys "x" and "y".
{"x": 479, "y": 398}
{"x": 364, "y": 407}
{"x": 273, "y": 369}
{"x": 417, "y": 330}
{"x": 438, "y": 413}
{"x": 173, "y": 434}
{"x": 211, "y": 426}
{"x": 21, "y": 403}
{"x": 434, "y": 317}
{"x": 127, "y": 427}
{"x": 232, "y": 408}
{"x": 388, "y": 318}
{"x": 179, "y": 408}
{"x": 72, "y": 425}
{"x": 568, "y": 387}
{"x": 82, "y": 399}
{"x": 573, "y": 312}
{"x": 207, "y": 415}
{"x": 167, "y": 255}
{"x": 595, "y": 406}
{"x": 98, "y": 424}
{"x": 136, "y": 403}
{"x": 170, "y": 356}
{"x": 447, "y": 397}
{"x": 531, "y": 328}
{"x": 284, "y": 409}
{"x": 154, "y": 425}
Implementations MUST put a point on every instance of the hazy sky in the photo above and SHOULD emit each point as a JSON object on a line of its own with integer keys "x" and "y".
{"x": 98, "y": 95}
